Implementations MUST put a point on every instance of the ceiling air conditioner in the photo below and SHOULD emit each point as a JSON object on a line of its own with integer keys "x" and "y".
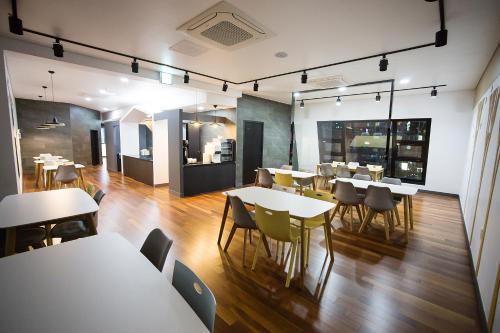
{"x": 225, "y": 26}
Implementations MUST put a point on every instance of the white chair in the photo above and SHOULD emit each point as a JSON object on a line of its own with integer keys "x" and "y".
{"x": 373, "y": 166}
{"x": 353, "y": 165}
{"x": 335, "y": 163}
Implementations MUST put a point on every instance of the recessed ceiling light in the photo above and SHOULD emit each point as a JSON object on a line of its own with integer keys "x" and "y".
{"x": 88, "y": 99}
{"x": 404, "y": 81}
{"x": 102, "y": 91}
{"x": 201, "y": 108}
{"x": 296, "y": 94}
{"x": 124, "y": 79}
{"x": 342, "y": 88}
{"x": 105, "y": 109}
{"x": 281, "y": 54}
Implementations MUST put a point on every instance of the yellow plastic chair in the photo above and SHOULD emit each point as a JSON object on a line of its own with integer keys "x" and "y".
{"x": 283, "y": 179}
{"x": 276, "y": 225}
{"x": 317, "y": 221}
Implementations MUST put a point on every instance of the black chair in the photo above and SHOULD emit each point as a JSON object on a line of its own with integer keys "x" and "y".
{"x": 156, "y": 247}
{"x": 196, "y": 293}
{"x": 29, "y": 237}
{"x": 72, "y": 230}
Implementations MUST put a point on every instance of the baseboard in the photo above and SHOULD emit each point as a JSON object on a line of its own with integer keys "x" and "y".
{"x": 440, "y": 193}
{"x": 482, "y": 314}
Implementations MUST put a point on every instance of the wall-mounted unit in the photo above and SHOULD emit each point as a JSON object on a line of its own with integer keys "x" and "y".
{"x": 226, "y": 27}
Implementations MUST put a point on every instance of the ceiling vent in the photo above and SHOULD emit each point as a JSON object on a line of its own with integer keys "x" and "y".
{"x": 189, "y": 48}
{"x": 331, "y": 81}
{"x": 226, "y": 27}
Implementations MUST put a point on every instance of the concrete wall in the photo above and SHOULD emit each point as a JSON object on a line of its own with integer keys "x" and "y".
{"x": 276, "y": 118}
{"x": 71, "y": 141}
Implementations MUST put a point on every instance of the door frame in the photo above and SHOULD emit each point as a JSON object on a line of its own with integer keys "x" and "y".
{"x": 243, "y": 147}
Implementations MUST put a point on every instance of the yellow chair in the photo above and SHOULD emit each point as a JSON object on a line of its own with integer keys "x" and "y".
{"x": 276, "y": 225}
{"x": 317, "y": 221}
{"x": 283, "y": 179}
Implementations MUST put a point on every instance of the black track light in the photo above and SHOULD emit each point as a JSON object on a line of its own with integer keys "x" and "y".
{"x": 441, "y": 38}
{"x": 255, "y": 86}
{"x": 434, "y": 92}
{"x": 302, "y": 104}
{"x": 135, "y": 66}
{"x": 186, "y": 77}
{"x": 58, "y": 49}
{"x": 15, "y": 25}
{"x": 303, "y": 78}
{"x": 383, "y": 64}
{"x": 224, "y": 86}
{"x": 377, "y": 98}
{"x": 338, "y": 102}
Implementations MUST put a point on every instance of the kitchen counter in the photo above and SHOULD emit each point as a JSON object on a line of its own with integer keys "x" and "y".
{"x": 139, "y": 168}
{"x": 203, "y": 178}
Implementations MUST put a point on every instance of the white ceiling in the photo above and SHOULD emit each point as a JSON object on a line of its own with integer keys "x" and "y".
{"x": 312, "y": 32}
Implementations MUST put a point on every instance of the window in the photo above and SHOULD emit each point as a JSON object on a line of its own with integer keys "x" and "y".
{"x": 365, "y": 141}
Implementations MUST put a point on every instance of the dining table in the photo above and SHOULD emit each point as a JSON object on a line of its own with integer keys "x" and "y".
{"x": 405, "y": 191}
{"x": 50, "y": 170}
{"x": 39, "y": 163}
{"x": 300, "y": 177}
{"x": 95, "y": 284}
{"x": 299, "y": 208}
{"x": 44, "y": 209}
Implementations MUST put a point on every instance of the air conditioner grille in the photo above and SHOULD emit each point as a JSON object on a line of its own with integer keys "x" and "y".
{"x": 226, "y": 33}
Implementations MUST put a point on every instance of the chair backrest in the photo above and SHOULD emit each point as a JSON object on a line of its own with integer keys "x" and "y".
{"x": 278, "y": 187}
{"x": 241, "y": 216}
{"x": 373, "y": 166}
{"x": 287, "y": 167}
{"x": 335, "y": 163}
{"x": 379, "y": 198}
{"x": 66, "y": 173}
{"x": 264, "y": 178}
{"x": 284, "y": 179}
{"x": 345, "y": 192}
{"x": 353, "y": 164}
{"x": 393, "y": 181}
{"x": 318, "y": 195}
{"x": 326, "y": 170}
{"x": 97, "y": 198}
{"x": 362, "y": 177}
{"x": 156, "y": 247}
{"x": 273, "y": 223}
{"x": 362, "y": 170}
{"x": 343, "y": 171}
{"x": 196, "y": 293}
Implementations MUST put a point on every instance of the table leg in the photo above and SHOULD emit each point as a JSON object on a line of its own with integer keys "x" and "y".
{"x": 80, "y": 173}
{"x": 302, "y": 251}
{"x": 10, "y": 241}
{"x": 329, "y": 238}
{"x": 37, "y": 174}
{"x": 49, "y": 180}
{"x": 223, "y": 222}
{"x": 48, "y": 227}
{"x": 410, "y": 201}
{"x": 314, "y": 183}
{"x": 301, "y": 188}
{"x": 406, "y": 211}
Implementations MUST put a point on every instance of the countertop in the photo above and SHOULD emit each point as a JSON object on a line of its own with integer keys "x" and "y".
{"x": 198, "y": 164}
{"x": 140, "y": 157}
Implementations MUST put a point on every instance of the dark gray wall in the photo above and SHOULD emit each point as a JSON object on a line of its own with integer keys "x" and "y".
{"x": 112, "y": 139}
{"x": 276, "y": 118}
{"x": 145, "y": 137}
{"x": 71, "y": 141}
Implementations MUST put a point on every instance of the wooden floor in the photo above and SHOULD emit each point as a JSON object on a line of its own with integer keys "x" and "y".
{"x": 371, "y": 287}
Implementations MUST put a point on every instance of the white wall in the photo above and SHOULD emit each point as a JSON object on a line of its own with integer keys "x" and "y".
{"x": 129, "y": 139}
{"x": 160, "y": 151}
{"x": 451, "y": 115}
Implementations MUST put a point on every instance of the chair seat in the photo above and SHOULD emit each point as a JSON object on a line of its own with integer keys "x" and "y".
{"x": 312, "y": 223}
{"x": 70, "y": 229}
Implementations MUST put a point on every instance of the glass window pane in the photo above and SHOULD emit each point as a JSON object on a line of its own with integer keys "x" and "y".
{"x": 409, "y": 151}
{"x": 409, "y": 170}
{"x": 366, "y": 142}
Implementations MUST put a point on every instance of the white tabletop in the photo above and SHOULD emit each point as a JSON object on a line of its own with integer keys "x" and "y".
{"x": 295, "y": 174}
{"x": 60, "y": 160}
{"x": 36, "y": 207}
{"x": 38, "y": 157}
{"x": 94, "y": 284}
{"x": 298, "y": 206}
{"x": 54, "y": 167}
{"x": 395, "y": 189}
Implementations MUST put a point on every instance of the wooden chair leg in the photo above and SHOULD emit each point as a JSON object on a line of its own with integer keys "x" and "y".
{"x": 391, "y": 219}
{"x": 360, "y": 214}
{"x": 335, "y": 210}
{"x": 352, "y": 220}
{"x": 308, "y": 243}
{"x": 396, "y": 212}
{"x": 368, "y": 218}
{"x": 250, "y": 235}
{"x": 343, "y": 211}
{"x": 290, "y": 266}
{"x": 256, "y": 255}
{"x": 386, "y": 225}
{"x": 266, "y": 245}
{"x": 230, "y": 238}
{"x": 244, "y": 244}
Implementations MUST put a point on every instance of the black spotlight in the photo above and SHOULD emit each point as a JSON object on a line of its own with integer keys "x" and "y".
{"x": 441, "y": 38}
{"x": 15, "y": 25}
{"x": 58, "y": 49}
{"x": 377, "y": 98}
{"x": 383, "y": 64}
{"x": 302, "y": 104}
{"x": 434, "y": 92}
{"x": 224, "y": 86}
{"x": 135, "y": 66}
{"x": 186, "y": 77}
{"x": 303, "y": 78}
{"x": 255, "y": 86}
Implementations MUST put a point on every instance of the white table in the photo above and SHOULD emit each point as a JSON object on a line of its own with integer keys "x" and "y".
{"x": 299, "y": 176}
{"x": 407, "y": 192}
{"x": 53, "y": 156}
{"x": 39, "y": 164}
{"x": 51, "y": 169}
{"x": 298, "y": 206}
{"x": 94, "y": 284}
{"x": 44, "y": 208}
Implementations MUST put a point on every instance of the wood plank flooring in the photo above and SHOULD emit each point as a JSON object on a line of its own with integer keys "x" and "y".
{"x": 371, "y": 287}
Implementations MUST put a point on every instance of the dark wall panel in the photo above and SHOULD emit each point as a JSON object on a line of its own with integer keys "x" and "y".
{"x": 82, "y": 121}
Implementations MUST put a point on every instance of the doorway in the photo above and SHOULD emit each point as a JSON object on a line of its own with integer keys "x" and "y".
{"x": 94, "y": 147}
{"x": 253, "y": 139}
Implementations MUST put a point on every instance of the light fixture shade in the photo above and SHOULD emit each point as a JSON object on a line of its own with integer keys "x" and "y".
{"x": 434, "y": 93}
{"x": 186, "y": 78}
{"x": 338, "y": 102}
{"x": 255, "y": 86}
{"x": 224, "y": 86}
{"x": 303, "y": 78}
{"x": 58, "y": 49}
{"x": 301, "y": 104}
{"x": 383, "y": 64}
{"x": 377, "y": 98}
{"x": 43, "y": 127}
{"x": 55, "y": 123}
{"x": 135, "y": 66}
